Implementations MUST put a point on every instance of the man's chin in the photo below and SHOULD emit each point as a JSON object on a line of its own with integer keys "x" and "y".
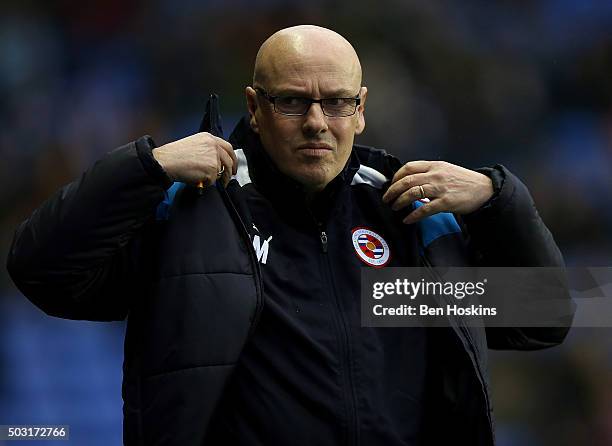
{"x": 312, "y": 181}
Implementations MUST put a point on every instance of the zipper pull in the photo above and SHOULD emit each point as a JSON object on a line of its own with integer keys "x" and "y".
{"x": 323, "y": 241}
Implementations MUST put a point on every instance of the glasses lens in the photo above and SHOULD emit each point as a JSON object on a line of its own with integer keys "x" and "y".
{"x": 291, "y": 105}
{"x": 339, "y": 106}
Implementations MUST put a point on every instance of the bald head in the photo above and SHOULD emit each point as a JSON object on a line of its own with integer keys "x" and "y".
{"x": 285, "y": 52}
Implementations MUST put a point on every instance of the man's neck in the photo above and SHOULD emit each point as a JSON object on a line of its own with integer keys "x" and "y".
{"x": 311, "y": 194}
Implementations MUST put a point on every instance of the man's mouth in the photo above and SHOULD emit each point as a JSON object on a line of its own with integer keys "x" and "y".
{"x": 315, "y": 149}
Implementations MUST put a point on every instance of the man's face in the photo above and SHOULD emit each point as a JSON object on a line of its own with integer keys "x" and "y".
{"x": 312, "y": 149}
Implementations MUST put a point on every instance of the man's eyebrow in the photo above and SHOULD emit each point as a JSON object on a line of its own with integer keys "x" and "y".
{"x": 340, "y": 93}
{"x": 292, "y": 91}
{"x": 289, "y": 92}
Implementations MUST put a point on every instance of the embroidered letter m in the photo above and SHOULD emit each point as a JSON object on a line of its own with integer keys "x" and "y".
{"x": 261, "y": 249}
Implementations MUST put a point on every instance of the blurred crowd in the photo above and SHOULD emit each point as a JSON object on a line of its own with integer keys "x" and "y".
{"x": 527, "y": 84}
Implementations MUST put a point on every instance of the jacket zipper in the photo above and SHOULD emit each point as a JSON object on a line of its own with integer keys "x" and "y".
{"x": 323, "y": 237}
{"x": 347, "y": 366}
{"x": 252, "y": 256}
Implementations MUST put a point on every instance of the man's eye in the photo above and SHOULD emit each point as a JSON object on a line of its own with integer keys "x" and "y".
{"x": 334, "y": 102}
{"x": 290, "y": 101}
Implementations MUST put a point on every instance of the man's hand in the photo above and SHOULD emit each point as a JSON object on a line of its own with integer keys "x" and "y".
{"x": 450, "y": 188}
{"x": 197, "y": 158}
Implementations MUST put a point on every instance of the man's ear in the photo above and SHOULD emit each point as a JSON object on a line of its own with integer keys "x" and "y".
{"x": 251, "y": 98}
{"x": 360, "y": 112}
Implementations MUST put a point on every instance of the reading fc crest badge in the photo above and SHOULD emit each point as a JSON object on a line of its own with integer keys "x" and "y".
{"x": 371, "y": 247}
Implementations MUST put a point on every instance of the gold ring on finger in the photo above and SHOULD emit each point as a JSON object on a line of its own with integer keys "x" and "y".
{"x": 422, "y": 191}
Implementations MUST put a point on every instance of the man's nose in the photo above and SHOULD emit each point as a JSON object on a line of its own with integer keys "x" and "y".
{"x": 315, "y": 121}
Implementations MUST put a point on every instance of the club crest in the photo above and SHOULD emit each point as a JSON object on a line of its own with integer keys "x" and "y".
{"x": 370, "y": 247}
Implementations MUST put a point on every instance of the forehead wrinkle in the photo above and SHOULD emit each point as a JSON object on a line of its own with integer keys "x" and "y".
{"x": 301, "y": 75}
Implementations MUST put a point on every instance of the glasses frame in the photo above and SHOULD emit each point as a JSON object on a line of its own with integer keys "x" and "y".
{"x": 272, "y": 100}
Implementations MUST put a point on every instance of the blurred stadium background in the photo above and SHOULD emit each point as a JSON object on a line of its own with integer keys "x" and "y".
{"x": 524, "y": 83}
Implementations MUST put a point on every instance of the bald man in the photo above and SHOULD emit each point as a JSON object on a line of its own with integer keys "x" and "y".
{"x": 237, "y": 265}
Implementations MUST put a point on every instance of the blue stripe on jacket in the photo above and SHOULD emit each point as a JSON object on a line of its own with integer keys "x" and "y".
{"x": 436, "y": 226}
{"x": 163, "y": 209}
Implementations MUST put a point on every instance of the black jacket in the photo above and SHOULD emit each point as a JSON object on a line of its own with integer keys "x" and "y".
{"x": 120, "y": 242}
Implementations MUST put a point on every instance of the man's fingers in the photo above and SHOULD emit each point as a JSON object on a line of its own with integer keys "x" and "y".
{"x": 225, "y": 162}
{"x": 411, "y": 168}
{"x": 431, "y": 208}
{"x": 227, "y": 147}
{"x": 403, "y": 184}
{"x": 410, "y": 196}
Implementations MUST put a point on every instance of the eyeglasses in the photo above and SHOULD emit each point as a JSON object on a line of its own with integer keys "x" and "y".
{"x": 299, "y": 106}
